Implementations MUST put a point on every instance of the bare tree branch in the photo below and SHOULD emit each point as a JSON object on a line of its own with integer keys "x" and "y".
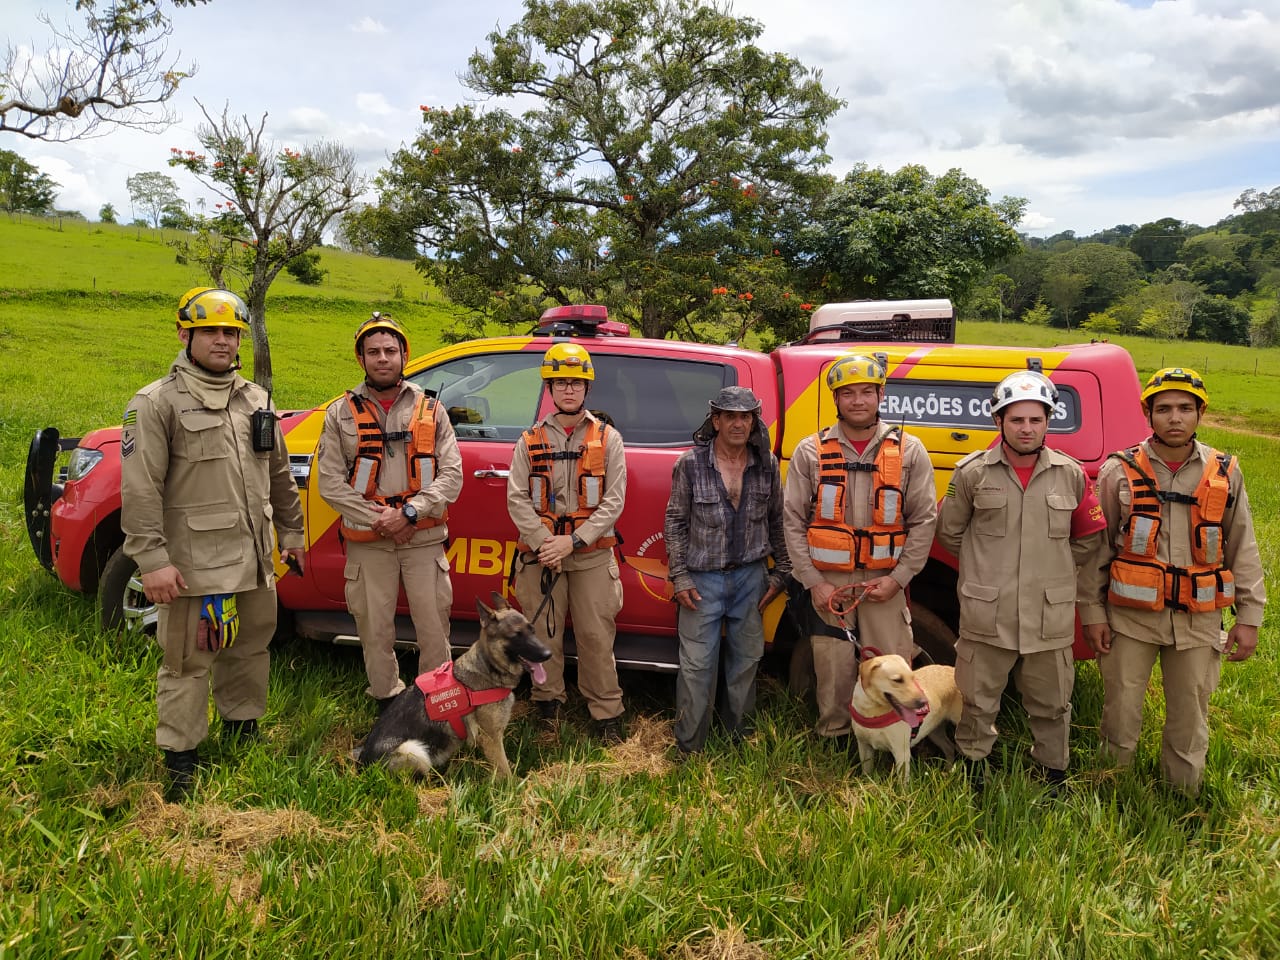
{"x": 114, "y": 70}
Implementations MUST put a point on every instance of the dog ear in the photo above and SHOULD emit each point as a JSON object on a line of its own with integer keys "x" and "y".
{"x": 486, "y": 615}
{"x": 499, "y": 601}
{"x": 865, "y": 669}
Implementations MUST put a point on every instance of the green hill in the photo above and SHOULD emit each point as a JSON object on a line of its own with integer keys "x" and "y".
{"x": 98, "y": 296}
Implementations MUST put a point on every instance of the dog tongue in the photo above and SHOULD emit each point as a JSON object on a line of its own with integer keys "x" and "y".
{"x": 909, "y": 716}
{"x": 536, "y": 670}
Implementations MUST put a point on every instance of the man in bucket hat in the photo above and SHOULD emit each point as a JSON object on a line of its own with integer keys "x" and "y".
{"x": 724, "y": 520}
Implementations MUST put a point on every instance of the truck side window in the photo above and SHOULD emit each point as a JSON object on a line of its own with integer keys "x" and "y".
{"x": 656, "y": 401}
{"x": 488, "y": 396}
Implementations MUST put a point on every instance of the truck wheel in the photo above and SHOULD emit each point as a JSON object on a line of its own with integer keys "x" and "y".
{"x": 934, "y": 637}
{"x": 801, "y": 680}
{"x": 121, "y": 601}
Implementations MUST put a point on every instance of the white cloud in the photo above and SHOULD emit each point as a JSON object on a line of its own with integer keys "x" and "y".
{"x": 1097, "y": 111}
{"x": 374, "y": 103}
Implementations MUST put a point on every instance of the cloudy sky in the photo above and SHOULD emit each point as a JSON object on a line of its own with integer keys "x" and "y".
{"x": 1097, "y": 111}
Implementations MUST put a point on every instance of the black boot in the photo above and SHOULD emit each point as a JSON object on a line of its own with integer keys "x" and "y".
{"x": 1055, "y": 782}
{"x": 181, "y": 765}
{"x": 548, "y": 715}
{"x": 240, "y": 731}
{"x": 609, "y": 731}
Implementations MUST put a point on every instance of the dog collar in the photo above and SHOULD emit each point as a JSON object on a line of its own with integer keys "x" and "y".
{"x": 448, "y": 699}
{"x": 882, "y": 720}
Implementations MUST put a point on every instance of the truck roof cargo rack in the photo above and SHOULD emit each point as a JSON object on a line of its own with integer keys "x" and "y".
{"x": 897, "y": 321}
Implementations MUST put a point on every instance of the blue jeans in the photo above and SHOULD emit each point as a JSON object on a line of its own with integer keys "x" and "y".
{"x": 729, "y": 597}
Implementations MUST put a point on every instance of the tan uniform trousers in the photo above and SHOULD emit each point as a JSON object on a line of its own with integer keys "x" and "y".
{"x": 239, "y": 671}
{"x": 593, "y": 598}
{"x": 1189, "y": 676}
{"x": 1045, "y": 680}
{"x": 885, "y": 626}
{"x": 374, "y": 574}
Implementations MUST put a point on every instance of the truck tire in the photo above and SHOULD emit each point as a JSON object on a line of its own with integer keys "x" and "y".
{"x": 120, "y": 598}
{"x": 933, "y": 636}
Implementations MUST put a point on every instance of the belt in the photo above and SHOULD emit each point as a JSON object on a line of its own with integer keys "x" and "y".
{"x": 731, "y": 566}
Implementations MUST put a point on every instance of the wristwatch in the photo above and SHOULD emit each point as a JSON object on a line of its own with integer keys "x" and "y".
{"x": 578, "y": 542}
{"x": 411, "y": 514}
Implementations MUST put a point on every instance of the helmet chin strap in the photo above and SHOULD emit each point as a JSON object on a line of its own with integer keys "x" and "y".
{"x": 1173, "y": 446}
{"x": 871, "y": 426}
{"x": 1004, "y": 442}
{"x": 376, "y": 389}
{"x": 570, "y": 413}
{"x": 235, "y": 364}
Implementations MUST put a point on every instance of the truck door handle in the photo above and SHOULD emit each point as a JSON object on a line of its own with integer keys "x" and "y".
{"x": 957, "y": 435}
{"x": 491, "y": 473}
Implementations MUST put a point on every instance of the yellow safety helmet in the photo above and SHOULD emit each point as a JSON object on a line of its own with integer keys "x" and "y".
{"x": 382, "y": 322}
{"x": 567, "y": 361}
{"x": 855, "y": 368}
{"x": 1175, "y": 378}
{"x": 212, "y": 307}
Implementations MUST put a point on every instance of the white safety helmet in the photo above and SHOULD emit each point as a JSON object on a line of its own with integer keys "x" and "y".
{"x": 1024, "y": 385}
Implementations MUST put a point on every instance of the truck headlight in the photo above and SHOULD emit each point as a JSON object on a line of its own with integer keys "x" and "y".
{"x": 82, "y": 462}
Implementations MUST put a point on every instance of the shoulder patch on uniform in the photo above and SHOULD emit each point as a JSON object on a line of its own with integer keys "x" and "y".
{"x": 951, "y": 489}
{"x": 130, "y": 417}
{"x": 126, "y": 448}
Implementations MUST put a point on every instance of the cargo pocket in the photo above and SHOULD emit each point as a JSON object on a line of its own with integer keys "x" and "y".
{"x": 353, "y": 589}
{"x": 1059, "y": 611}
{"x": 978, "y": 609}
{"x": 615, "y": 578}
{"x": 202, "y": 437}
{"x": 1060, "y": 510}
{"x": 444, "y": 588}
{"x": 213, "y": 540}
{"x": 990, "y": 514}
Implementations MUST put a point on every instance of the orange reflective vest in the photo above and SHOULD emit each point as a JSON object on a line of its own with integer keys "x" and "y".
{"x": 371, "y": 444}
{"x": 833, "y": 543}
{"x": 1142, "y": 581}
{"x": 589, "y": 482}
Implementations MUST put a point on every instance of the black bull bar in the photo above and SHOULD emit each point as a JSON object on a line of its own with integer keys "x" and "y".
{"x": 40, "y": 493}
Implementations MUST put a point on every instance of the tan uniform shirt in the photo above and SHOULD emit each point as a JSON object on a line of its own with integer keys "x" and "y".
{"x": 194, "y": 493}
{"x": 564, "y": 476}
{"x": 1240, "y": 554}
{"x": 337, "y": 452}
{"x": 1017, "y": 578}
{"x": 919, "y": 507}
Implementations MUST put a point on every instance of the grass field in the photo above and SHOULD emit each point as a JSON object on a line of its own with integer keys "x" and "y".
{"x": 775, "y": 849}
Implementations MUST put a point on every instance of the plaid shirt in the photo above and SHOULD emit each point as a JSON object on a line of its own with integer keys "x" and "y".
{"x": 703, "y": 530}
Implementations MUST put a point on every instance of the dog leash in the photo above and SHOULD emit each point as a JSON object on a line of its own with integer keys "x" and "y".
{"x": 836, "y": 606}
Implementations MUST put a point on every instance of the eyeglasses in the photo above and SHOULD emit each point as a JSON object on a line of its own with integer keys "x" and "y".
{"x": 568, "y": 384}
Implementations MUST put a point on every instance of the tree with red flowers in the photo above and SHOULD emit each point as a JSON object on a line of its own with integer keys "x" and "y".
{"x": 280, "y": 199}
{"x": 656, "y": 151}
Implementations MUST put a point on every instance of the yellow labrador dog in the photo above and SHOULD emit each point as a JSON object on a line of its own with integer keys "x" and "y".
{"x": 894, "y": 706}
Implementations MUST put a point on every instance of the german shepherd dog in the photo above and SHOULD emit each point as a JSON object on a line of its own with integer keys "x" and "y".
{"x": 404, "y": 737}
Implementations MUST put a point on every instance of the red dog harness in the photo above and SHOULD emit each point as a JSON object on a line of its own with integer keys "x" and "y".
{"x": 450, "y": 700}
